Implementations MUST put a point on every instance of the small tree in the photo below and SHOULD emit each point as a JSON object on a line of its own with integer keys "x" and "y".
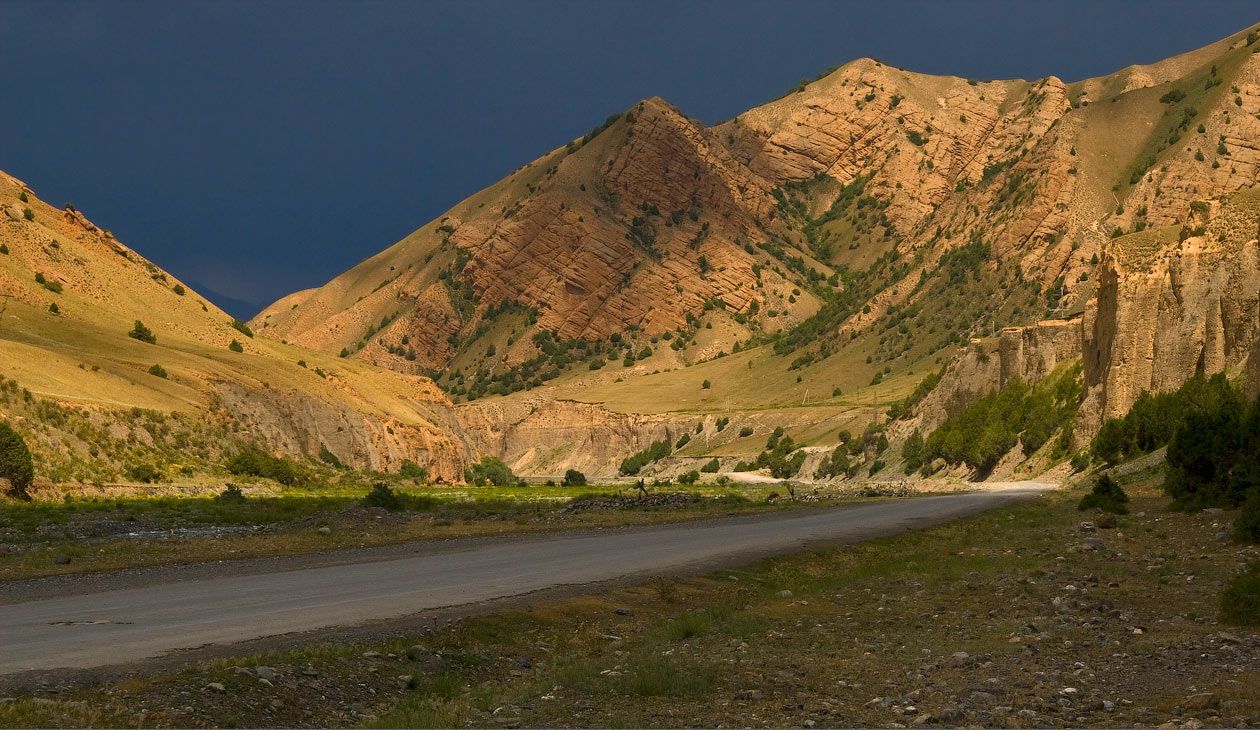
{"x": 1107, "y": 496}
{"x": 384, "y": 497}
{"x": 409, "y": 469}
{"x": 574, "y": 478}
{"x": 490, "y": 470}
{"x": 146, "y": 473}
{"x": 711, "y": 466}
{"x": 157, "y": 370}
{"x": 1240, "y": 601}
{"x": 690, "y": 477}
{"x": 1247, "y": 523}
{"x": 231, "y": 495}
{"x": 706, "y": 385}
{"x": 178, "y": 289}
{"x": 54, "y": 308}
{"x": 142, "y": 333}
{"x": 241, "y": 327}
{"x": 236, "y": 346}
{"x": 15, "y": 460}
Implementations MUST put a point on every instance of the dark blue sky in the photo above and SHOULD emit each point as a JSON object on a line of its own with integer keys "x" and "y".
{"x": 256, "y": 148}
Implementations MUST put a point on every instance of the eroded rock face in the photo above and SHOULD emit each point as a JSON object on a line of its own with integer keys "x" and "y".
{"x": 1169, "y": 304}
{"x": 1169, "y": 308}
{"x": 546, "y": 437}
{"x": 298, "y": 424}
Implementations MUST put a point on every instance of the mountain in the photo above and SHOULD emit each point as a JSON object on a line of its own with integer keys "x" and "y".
{"x": 856, "y": 261}
{"x": 810, "y": 261}
{"x": 239, "y": 308}
{"x": 95, "y": 402}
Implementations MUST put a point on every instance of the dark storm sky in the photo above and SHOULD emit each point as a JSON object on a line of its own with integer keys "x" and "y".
{"x": 256, "y": 148}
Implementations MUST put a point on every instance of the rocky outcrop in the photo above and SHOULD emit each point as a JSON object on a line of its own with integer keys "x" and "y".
{"x": 545, "y": 437}
{"x": 1170, "y": 306}
{"x": 299, "y": 424}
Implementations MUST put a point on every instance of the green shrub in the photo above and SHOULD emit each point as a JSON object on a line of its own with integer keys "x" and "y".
{"x": 236, "y": 346}
{"x": 1107, "y": 496}
{"x": 1172, "y": 97}
{"x": 158, "y": 370}
{"x": 4, "y": 249}
{"x": 706, "y": 385}
{"x": 329, "y": 457}
{"x": 1151, "y": 420}
{"x": 382, "y": 497}
{"x": 912, "y": 451}
{"x": 252, "y": 461}
{"x": 835, "y": 464}
{"x": 231, "y": 495}
{"x": 54, "y": 309}
{"x": 1240, "y": 601}
{"x": 28, "y": 214}
{"x": 711, "y": 467}
{"x": 490, "y": 470}
{"x": 142, "y": 333}
{"x": 179, "y": 289}
{"x": 574, "y": 478}
{"x": 632, "y": 464}
{"x": 241, "y": 327}
{"x": 146, "y": 473}
{"x": 781, "y": 456}
{"x": 52, "y": 286}
{"x": 1247, "y": 523}
{"x": 690, "y": 477}
{"x": 981, "y": 434}
{"x": 746, "y": 431}
{"x": 409, "y": 469}
{"x": 1212, "y": 459}
{"x": 15, "y": 460}
{"x": 682, "y": 441}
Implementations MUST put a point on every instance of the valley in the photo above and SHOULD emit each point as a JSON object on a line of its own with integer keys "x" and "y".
{"x": 898, "y": 400}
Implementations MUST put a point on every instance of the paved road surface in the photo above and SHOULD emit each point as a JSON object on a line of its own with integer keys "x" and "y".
{"x": 116, "y": 626}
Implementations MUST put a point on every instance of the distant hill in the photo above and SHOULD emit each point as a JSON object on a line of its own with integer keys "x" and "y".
{"x": 112, "y": 393}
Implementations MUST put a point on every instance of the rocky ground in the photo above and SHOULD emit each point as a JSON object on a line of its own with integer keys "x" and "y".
{"x": 1033, "y": 616}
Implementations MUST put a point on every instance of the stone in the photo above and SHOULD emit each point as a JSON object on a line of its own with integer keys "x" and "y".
{"x": 266, "y": 673}
{"x": 784, "y": 593}
{"x": 623, "y": 611}
{"x": 62, "y": 559}
{"x": 216, "y": 687}
{"x": 325, "y": 530}
{"x": 1201, "y": 701}
{"x": 1091, "y": 544}
{"x": 1107, "y": 522}
{"x": 749, "y": 695}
